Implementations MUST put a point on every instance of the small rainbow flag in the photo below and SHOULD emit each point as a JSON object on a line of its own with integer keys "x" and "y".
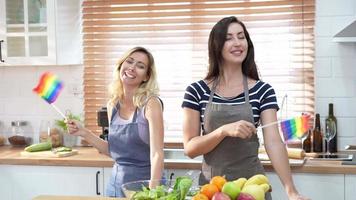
{"x": 296, "y": 127}
{"x": 49, "y": 87}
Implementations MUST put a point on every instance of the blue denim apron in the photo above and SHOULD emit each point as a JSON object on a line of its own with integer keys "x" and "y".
{"x": 130, "y": 153}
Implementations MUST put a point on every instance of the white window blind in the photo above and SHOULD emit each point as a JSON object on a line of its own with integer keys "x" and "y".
{"x": 176, "y": 32}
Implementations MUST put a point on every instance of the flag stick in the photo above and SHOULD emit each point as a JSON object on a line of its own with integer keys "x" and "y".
{"x": 272, "y": 123}
{"x": 59, "y": 111}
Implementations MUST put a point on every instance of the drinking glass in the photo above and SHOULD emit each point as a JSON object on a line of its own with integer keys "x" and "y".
{"x": 329, "y": 134}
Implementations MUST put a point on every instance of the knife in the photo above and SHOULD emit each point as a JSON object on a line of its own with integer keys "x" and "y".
{"x": 350, "y": 147}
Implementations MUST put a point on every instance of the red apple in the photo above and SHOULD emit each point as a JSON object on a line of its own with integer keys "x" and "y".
{"x": 220, "y": 196}
{"x": 245, "y": 196}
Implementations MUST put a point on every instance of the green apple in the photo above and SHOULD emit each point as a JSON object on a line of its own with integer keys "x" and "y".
{"x": 231, "y": 189}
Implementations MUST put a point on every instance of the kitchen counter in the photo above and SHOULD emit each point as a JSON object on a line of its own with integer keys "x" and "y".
{"x": 86, "y": 157}
{"x": 89, "y": 157}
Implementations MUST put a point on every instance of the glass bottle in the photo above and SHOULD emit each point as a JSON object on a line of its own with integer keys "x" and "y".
{"x": 317, "y": 135}
{"x": 307, "y": 142}
{"x": 332, "y": 119}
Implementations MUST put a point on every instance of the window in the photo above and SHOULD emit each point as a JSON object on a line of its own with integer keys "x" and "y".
{"x": 176, "y": 32}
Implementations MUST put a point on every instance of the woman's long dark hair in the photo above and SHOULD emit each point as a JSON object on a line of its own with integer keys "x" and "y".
{"x": 217, "y": 39}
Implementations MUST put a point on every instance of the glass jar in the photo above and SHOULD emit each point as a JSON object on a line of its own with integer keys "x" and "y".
{"x": 52, "y": 133}
{"x": 2, "y": 135}
{"x": 18, "y": 136}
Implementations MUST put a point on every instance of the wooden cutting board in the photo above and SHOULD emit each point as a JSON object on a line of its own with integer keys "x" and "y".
{"x": 49, "y": 154}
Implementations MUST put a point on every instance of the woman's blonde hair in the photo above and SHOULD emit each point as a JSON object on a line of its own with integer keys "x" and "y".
{"x": 146, "y": 88}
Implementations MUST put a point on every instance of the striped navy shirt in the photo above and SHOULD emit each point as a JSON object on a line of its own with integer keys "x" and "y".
{"x": 262, "y": 97}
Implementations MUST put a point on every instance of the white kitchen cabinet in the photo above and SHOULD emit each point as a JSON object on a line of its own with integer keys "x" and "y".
{"x": 5, "y": 185}
{"x": 21, "y": 182}
{"x": 69, "y": 49}
{"x": 40, "y": 32}
{"x": 107, "y": 175}
{"x": 350, "y": 187}
{"x": 314, "y": 186}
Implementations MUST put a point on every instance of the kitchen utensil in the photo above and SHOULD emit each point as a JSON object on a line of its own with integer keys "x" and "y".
{"x": 334, "y": 157}
{"x": 102, "y": 116}
{"x": 350, "y": 147}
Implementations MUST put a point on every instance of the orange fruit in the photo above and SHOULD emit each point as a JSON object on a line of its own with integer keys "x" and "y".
{"x": 219, "y": 181}
{"x": 200, "y": 196}
{"x": 209, "y": 190}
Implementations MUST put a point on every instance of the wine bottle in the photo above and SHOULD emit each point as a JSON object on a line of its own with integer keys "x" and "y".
{"x": 307, "y": 143}
{"x": 332, "y": 119}
{"x": 317, "y": 136}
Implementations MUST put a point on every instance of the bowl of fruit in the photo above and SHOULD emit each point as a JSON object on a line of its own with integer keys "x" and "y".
{"x": 165, "y": 189}
{"x": 219, "y": 188}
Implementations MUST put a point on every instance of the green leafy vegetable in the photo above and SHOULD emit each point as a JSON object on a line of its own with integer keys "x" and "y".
{"x": 183, "y": 185}
{"x": 178, "y": 192}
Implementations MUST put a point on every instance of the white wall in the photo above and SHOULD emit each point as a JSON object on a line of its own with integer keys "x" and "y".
{"x": 18, "y": 102}
{"x": 335, "y": 78}
{"x": 335, "y": 67}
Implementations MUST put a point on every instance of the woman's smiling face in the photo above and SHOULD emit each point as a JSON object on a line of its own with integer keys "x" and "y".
{"x": 134, "y": 69}
{"x": 235, "y": 46}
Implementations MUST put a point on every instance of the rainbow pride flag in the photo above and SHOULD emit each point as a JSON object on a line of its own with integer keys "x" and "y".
{"x": 49, "y": 87}
{"x": 295, "y": 128}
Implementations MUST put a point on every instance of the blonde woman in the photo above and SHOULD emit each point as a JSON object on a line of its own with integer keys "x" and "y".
{"x": 135, "y": 139}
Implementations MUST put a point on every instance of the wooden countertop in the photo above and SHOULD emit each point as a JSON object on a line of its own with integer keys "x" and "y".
{"x": 86, "y": 157}
{"x": 89, "y": 157}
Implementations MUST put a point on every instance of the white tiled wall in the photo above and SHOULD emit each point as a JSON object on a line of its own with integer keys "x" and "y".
{"x": 18, "y": 102}
{"x": 335, "y": 78}
{"x": 335, "y": 67}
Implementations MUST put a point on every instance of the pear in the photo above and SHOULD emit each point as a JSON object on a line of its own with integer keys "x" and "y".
{"x": 254, "y": 190}
{"x": 240, "y": 182}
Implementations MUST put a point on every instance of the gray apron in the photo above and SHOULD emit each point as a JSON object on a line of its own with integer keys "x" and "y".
{"x": 233, "y": 157}
{"x": 130, "y": 153}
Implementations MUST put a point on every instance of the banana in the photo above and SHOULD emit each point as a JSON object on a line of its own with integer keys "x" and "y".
{"x": 240, "y": 182}
{"x": 266, "y": 187}
{"x": 257, "y": 179}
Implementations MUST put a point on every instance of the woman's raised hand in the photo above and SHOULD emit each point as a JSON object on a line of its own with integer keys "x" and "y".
{"x": 242, "y": 129}
{"x": 75, "y": 128}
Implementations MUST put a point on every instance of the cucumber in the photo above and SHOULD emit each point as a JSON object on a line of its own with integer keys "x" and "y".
{"x": 43, "y": 146}
{"x": 62, "y": 149}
